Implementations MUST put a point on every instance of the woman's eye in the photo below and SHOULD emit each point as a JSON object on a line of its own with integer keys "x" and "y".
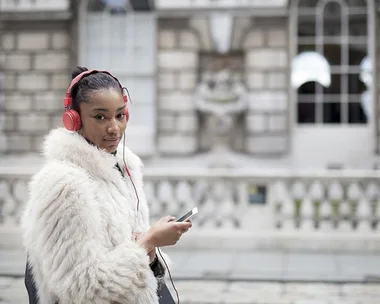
{"x": 99, "y": 117}
{"x": 121, "y": 115}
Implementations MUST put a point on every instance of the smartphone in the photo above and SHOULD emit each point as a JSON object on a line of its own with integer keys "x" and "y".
{"x": 188, "y": 215}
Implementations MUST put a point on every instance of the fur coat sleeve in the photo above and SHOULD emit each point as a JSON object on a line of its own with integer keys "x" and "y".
{"x": 60, "y": 230}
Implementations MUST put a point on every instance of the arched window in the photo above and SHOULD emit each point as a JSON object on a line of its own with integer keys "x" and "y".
{"x": 116, "y": 38}
{"x": 331, "y": 90}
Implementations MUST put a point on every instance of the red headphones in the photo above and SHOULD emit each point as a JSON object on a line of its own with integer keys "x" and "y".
{"x": 71, "y": 118}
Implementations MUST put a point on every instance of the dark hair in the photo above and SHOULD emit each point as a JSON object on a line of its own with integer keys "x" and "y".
{"x": 90, "y": 84}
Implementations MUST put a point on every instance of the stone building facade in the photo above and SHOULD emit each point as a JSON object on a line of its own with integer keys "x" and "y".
{"x": 39, "y": 50}
{"x": 37, "y": 56}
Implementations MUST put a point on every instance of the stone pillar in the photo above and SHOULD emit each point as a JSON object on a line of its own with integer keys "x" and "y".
{"x": 36, "y": 75}
{"x": 3, "y": 139}
{"x": 376, "y": 67}
{"x": 267, "y": 74}
{"x": 177, "y": 77}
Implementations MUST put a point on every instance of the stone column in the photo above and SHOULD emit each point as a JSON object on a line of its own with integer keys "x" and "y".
{"x": 177, "y": 77}
{"x": 377, "y": 81}
{"x": 3, "y": 139}
{"x": 267, "y": 74}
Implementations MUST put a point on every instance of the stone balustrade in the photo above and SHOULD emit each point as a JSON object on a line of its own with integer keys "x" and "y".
{"x": 301, "y": 205}
{"x": 34, "y": 5}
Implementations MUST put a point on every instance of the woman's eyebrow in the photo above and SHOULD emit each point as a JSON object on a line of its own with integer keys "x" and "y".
{"x": 106, "y": 110}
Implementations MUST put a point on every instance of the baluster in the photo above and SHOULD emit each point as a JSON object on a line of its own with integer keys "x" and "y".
{"x": 298, "y": 193}
{"x": 174, "y": 206}
{"x": 205, "y": 195}
{"x": 283, "y": 206}
{"x": 184, "y": 197}
{"x": 316, "y": 194}
{"x": 307, "y": 214}
{"x": 209, "y": 215}
{"x": 8, "y": 211}
{"x": 335, "y": 196}
{"x": 224, "y": 194}
{"x": 363, "y": 214}
{"x": 354, "y": 200}
{"x": 20, "y": 193}
{"x": 5, "y": 201}
{"x": 373, "y": 195}
{"x": 241, "y": 203}
{"x": 151, "y": 198}
{"x": 165, "y": 196}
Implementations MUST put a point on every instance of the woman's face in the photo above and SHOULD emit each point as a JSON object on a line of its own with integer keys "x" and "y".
{"x": 103, "y": 119}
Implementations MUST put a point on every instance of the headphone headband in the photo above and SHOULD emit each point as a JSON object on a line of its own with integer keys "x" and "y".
{"x": 68, "y": 99}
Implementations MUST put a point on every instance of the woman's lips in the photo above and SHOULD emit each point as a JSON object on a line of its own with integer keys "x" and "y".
{"x": 112, "y": 141}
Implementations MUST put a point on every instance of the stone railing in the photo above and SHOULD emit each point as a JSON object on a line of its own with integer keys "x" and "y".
{"x": 33, "y": 5}
{"x": 245, "y": 205}
{"x": 218, "y": 4}
{"x": 345, "y": 201}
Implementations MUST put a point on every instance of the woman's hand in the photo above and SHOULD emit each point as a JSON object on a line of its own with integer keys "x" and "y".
{"x": 166, "y": 232}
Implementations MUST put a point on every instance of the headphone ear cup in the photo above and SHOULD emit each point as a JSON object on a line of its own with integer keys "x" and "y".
{"x": 71, "y": 120}
{"x": 126, "y": 113}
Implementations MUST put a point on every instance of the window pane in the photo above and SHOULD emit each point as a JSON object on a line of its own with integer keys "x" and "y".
{"x": 356, "y": 53}
{"x": 355, "y": 85}
{"x": 307, "y": 3}
{"x": 357, "y": 3}
{"x": 335, "y": 87}
{"x": 331, "y": 112}
{"x": 358, "y": 25}
{"x": 94, "y": 30}
{"x": 306, "y": 112}
{"x": 95, "y": 5}
{"x": 118, "y": 33}
{"x": 306, "y": 48}
{"x": 333, "y": 53}
{"x": 356, "y": 113}
{"x": 306, "y": 26}
{"x": 308, "y": 88}
{"x": 332, "y": 19}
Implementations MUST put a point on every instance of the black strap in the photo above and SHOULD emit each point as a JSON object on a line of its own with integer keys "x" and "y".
{"x": 30, "y": 285}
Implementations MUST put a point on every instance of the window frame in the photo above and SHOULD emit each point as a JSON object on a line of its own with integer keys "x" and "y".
{"x": 293, "y": 51}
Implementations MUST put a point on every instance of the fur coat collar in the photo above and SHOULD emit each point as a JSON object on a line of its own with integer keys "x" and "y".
{"x": 63, "y": 145}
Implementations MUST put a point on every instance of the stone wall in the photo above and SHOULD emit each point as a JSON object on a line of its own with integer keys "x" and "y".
{"x": 264, "y": 43}
{"x": 267, "y": 77}
{"x": 36, "y": 71}
{"x": 178, "y": 47}
{"x": 377, "y": 87}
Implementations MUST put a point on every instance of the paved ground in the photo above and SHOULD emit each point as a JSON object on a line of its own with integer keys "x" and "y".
{"x": 246, "y": 277}
{"x": 12, "y": 291}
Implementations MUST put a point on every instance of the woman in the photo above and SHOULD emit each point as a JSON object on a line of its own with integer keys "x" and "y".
{"x": 86, "y": 227}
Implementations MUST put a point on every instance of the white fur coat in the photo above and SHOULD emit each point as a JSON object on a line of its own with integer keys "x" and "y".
{"x": 78, "y": 226}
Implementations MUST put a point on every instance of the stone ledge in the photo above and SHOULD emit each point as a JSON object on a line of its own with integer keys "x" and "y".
{"x": 34, "y": 16}
{"x": 333, "y": 242}
{"x": 313, "y": 242}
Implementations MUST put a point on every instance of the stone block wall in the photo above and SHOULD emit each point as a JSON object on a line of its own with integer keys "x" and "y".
{"x": 267, "y": 78}
{"x": 36, "y": 70}
{"x": 377, "y": 87}
{"x": 178, "y": 47}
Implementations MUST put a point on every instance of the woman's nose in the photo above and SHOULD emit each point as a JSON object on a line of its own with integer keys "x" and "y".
{"x": 113, "y": 126}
